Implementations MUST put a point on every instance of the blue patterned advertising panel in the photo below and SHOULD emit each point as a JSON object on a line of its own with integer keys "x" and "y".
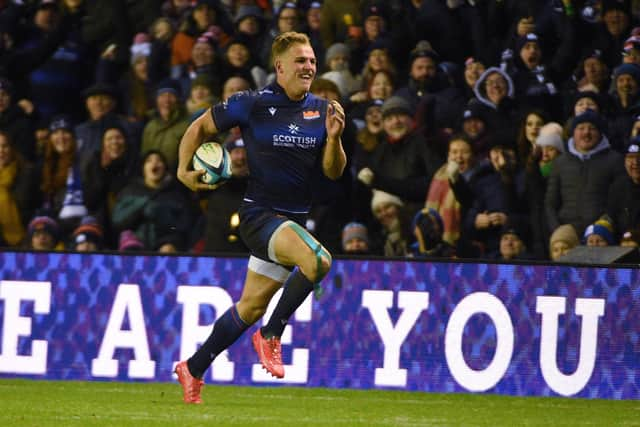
{"x": 407, "y": 325}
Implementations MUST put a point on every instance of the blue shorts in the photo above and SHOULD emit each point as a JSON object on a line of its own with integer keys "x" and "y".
{"x": 257, "y": 225}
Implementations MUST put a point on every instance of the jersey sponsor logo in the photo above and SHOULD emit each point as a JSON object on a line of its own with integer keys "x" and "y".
{"x": 311, "y": 115}
{"x": 294, "y": 141}
{"x": 272, "y": 110}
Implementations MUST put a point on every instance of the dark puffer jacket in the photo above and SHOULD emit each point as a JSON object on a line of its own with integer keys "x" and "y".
{"x": 578, "y": 185}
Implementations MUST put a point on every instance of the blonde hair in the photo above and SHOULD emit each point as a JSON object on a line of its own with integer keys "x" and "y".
{"x": 285, "y": 40}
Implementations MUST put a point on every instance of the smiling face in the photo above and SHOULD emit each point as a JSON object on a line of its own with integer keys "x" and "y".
{"x": 295, "y": 69}
{"x": 62, "y": 140}
{"x": 113, "y": 143}
{"x": 381, "y": 86}
{"x": 632, "y": 165}
{"x": 461, "y": 153}
{"x": 397, "y": 125}
{"x": 586, "y": 136}
{"x": 496, "y": 87}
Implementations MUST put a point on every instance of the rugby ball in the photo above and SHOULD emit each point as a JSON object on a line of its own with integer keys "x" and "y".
{"x": 213, "y": 158}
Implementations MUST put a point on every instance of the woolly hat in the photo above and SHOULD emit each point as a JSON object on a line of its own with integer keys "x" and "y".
{"x": 168, "y": 85}
{"x": 141, "y": 47}
{"x": 423, "y": 49}
{"x": 594, "y": 96}
{"x": 246, "y": 11}
{"x": 129, "y": 241}
{"x": 631, "y": 69}
{"x": 601, "y": 227}
{"x": 60, "y": 122}
{"x": 233, "y": 144}
{"x": 473, "y": 111}
{"x": 634, "y": 146}
{"x": 374, "y": 10}
{"x": 564, "y": 233}
{"x": 551, "y": 136}
{"x": 380, "y": 197}
{"x": 43, "y": 223}
{"x": 336, "y": 49}
{"x": 354, "y": 230}
{"x": 396, "y": 104}
{"x": 527, "y": 38}
{"x": 592, "y": 117}
{"x": 631, "y": 236}
{"x": 89, "y": 230}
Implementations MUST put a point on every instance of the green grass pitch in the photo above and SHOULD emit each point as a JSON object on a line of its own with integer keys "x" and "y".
{"x": 70, "y": 403}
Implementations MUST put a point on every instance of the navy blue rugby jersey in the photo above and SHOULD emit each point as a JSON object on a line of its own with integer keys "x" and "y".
{"x": 284, "y": 141}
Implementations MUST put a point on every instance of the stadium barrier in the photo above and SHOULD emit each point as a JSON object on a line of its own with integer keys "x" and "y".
{"x": 526, "y": 330}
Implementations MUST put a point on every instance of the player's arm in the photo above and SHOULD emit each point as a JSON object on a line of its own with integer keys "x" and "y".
{"x": 334, "y": 158}
{"x": 197, "y": 133}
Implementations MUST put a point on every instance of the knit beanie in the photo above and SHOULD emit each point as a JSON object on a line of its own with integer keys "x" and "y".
{"x": 380, "y": 197}
{"x": 631, "y": 69}
{"x": 141, "y": 47}
{"x": 592, "y": 117}
{"x": 601, "y": 227}
{"x": 44, "y": 223}
{"x": 89, "y": 230}
{"x": 551, "y": 136}
{"x": 354, "y": 230}
{"x": 564, "y": 233}
{"x": 129, "y": 241}
{"x": 336, "y": 49}
{"x": 527, "y": 38}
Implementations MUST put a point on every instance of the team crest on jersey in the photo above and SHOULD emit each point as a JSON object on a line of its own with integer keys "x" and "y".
{"x": 311, "y": 115}
{"x": 272, "y": 110}
{"x": 293, "y": 128}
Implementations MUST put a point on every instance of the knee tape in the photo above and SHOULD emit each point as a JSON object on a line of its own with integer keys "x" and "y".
{"x": 319, "y": 252}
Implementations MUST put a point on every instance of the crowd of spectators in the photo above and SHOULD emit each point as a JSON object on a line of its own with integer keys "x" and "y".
{"x": 503, "y": 129}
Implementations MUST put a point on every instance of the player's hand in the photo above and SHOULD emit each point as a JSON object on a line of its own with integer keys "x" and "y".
{"x": 335, "y": 119}
{"x": 191, "y": 180}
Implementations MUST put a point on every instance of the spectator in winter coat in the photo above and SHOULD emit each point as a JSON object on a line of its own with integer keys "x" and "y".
{"x": 105, "y": 174}
{"x": 156, "y": 207}
{"x": 625, "y": 104}
{"x": 549, "y": 145}
{"x": 494, "y": 89}
{"x": 402, "y": 164}
{"x": 623, "y": 205}
{"x": 170, "y": 121}
{"x": 19, "y": 195}
{"x": 61, "y": 177}
{"x": 100, "y": 102}
{"x": 581, "y": 178}
{"x": 15, "y": 122}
